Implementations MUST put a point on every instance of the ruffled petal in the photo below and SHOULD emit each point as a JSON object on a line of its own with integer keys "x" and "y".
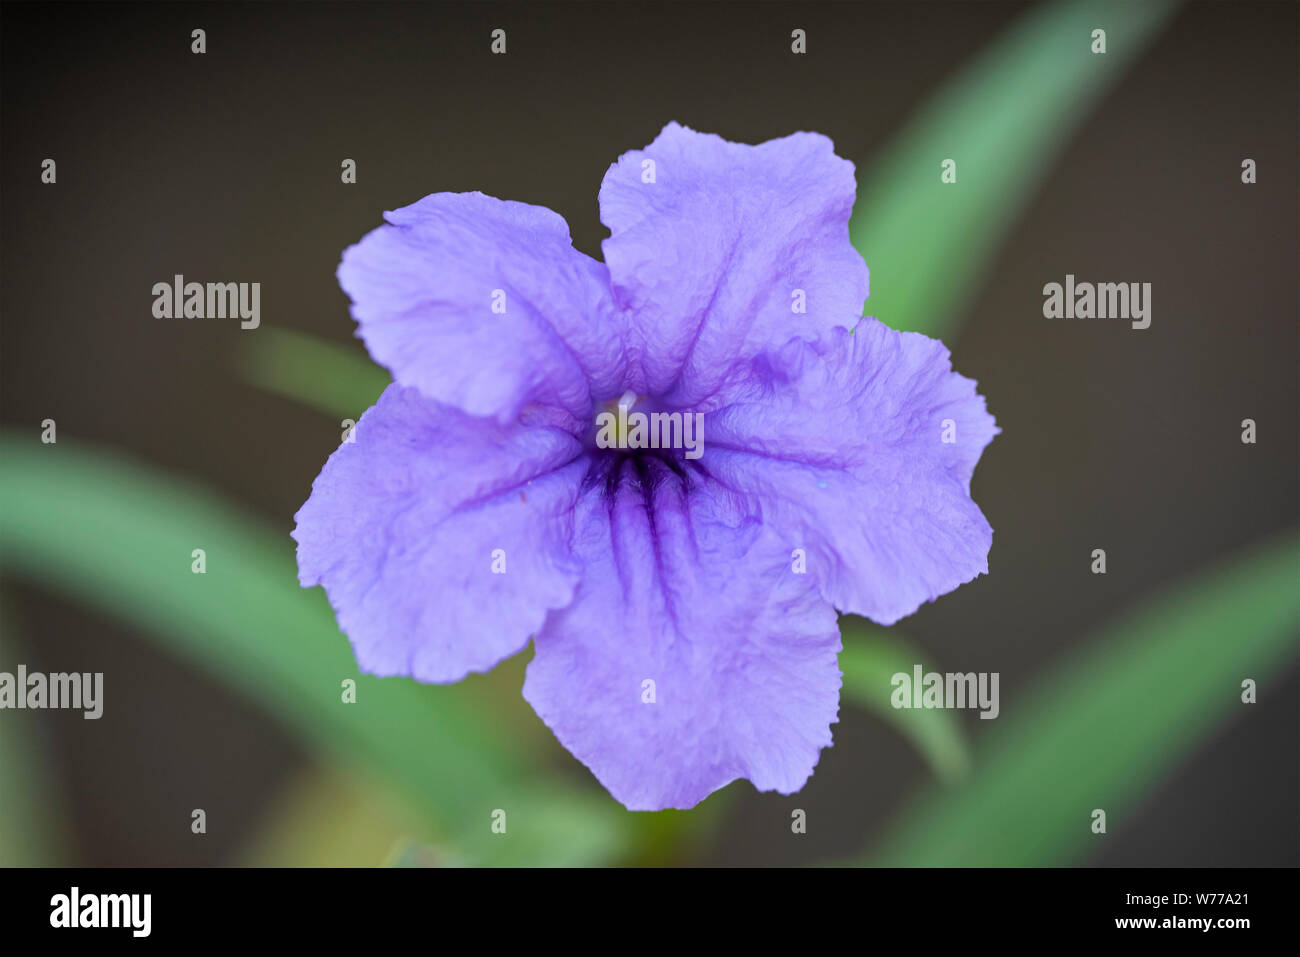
{"x": 860, "y": 450}
{"x": 715, "y": 257}
{"x": 485, "y": 305}
{"x": 441, "y": 539}
{"x": 686, "y": 589}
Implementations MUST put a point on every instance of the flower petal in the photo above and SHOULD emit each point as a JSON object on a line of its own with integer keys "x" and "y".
{"x": 424, "y": 290}
{"x": 713, "y": 257}
{"x": 685, "y": 590}
{"x": 403, "y": 527}
{"x": 861, "y": 448}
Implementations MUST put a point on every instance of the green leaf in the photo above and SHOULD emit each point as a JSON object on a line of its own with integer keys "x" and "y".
{"x": 331, "y": 819}
{"x": 324, "y": 817}
{"x": 870, "y": 659}
{"x": 1002, "y": 119}
{"x": 32, "y": 833}
{"x": 120, "y": 537}
{"x": 1107, "y": 725}
{"x": 338, "y": 381}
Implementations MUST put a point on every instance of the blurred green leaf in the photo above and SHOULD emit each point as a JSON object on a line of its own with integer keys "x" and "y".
{"x": 1002, "y": 119}
{"x": 331, "y": 819}
{"x": 672, "y": 838}
{"x": 31, "y": 819}
{"x": 1107, "y": 725}
{"x": 338, "y": 381}
{"x": 120, "y": 537}
{"x": 870, "y": 659}
{"x": 325, "y": 817}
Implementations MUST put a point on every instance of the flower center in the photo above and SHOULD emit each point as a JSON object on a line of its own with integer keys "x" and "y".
{"x": 620, "y": 426}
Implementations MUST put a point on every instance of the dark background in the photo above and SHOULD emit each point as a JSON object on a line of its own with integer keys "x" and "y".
{"x": 226, "y": 167}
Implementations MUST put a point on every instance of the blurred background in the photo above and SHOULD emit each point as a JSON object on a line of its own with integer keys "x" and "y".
{"x": 1119, "y": 691}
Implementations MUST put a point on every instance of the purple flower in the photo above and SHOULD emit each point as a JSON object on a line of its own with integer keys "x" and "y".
{"x": 682, "y": 608}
